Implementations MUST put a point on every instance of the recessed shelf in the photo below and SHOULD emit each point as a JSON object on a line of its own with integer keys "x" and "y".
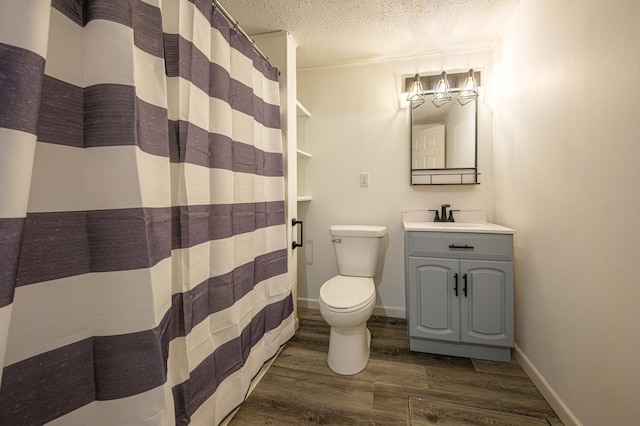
{"x": 303, "y": 154}
{"x": 302, "y": 111}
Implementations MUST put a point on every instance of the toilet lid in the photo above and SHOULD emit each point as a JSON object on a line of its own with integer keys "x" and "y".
{"x": 342, "y": 292}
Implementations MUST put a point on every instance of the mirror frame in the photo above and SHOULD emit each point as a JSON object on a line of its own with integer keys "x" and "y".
{"x": 445, "y": 176}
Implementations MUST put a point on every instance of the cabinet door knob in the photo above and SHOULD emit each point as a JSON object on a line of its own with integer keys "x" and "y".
{"x": 455, "y": 284}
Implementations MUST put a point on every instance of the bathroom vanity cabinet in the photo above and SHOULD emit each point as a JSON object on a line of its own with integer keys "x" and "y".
{"x": 460, "y": 293}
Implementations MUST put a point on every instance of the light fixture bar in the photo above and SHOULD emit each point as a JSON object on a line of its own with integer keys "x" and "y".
{"x": 430, "y": 81}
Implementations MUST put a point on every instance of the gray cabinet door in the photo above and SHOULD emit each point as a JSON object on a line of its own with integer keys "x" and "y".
{"x": 487, "y": 308}
{"x": 434, "y": 310}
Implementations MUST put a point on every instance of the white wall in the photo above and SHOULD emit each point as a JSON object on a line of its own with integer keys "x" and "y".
{"x": 567, "y": 170}
{"x": 358, "y": 124}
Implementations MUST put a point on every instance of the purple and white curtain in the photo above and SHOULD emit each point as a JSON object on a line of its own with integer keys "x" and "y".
{"x": 143, "y": 254}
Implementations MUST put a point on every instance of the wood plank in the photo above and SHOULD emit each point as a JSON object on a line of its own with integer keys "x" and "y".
{"x": 289, "y": 396}
{"x": 496, "y": 367}
{"x": 428, "y": 412}
{"x": 497, "y": 392}
{"x": 376, "y": 370}
{"x": 309, "y": 314}
{"x": 301, "y": 389}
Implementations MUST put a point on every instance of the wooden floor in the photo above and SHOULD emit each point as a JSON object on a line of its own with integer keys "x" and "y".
{"x": 398, "y": 387}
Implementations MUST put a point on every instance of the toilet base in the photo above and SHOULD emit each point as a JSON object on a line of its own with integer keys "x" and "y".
{"x": 349, "y": 349}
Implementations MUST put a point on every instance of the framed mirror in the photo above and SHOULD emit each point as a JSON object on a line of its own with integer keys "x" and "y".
{"x": 444, "y": 144}
{"x": 444, "y": 139}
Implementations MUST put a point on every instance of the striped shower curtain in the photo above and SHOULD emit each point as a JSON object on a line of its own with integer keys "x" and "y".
{"x": 143, "y": 251}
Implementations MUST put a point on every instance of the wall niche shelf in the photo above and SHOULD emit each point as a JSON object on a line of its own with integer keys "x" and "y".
{"x": 303, "y": 154}
{"x": 302, "y": 111}
{"x": 302, "y": 114}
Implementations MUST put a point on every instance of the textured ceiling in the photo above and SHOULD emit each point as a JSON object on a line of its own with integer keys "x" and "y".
{"x": 331, "y": 32}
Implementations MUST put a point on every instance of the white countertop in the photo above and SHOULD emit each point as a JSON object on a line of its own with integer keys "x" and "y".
{"x": 457, "y": 227}
{"x": 465, "y": 222}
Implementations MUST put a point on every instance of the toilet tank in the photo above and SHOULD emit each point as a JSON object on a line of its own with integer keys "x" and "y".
{"x": 357, "y": 248}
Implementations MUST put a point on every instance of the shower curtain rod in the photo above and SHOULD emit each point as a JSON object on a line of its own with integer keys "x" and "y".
{"x": 237, "y": 26}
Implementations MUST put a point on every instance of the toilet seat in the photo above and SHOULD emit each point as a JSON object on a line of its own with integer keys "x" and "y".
{"x": 347, "y": 294}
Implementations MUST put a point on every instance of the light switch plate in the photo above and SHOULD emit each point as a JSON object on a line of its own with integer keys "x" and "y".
{"x": 364, "y": 179}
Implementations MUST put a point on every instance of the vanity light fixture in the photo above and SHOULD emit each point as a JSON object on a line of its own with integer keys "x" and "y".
{"x": 416, "y": 93}
{"x": 442, "y": 87}
{"x": 442, "y": 94}
{"x": 469, "y": 91}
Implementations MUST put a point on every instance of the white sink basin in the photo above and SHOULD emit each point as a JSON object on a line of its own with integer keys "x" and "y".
{"x": 479, "y": 227}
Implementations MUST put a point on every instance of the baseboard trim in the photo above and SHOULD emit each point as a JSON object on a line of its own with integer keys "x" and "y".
{"x": 564, "y": 413}
{"x": 384, "y": 311}
{"x": 308, "y": 303}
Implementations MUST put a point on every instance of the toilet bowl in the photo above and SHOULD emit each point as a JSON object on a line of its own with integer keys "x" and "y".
{"x": 349, "y": 339}
{"x": 347, "y": 300}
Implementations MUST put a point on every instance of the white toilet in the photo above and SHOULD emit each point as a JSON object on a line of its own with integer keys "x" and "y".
{"x": 347, "y": 300}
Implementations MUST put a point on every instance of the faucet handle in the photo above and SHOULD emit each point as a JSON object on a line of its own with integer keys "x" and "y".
{"x": 437, "y": 217}
{"x": 451, "y": 219}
